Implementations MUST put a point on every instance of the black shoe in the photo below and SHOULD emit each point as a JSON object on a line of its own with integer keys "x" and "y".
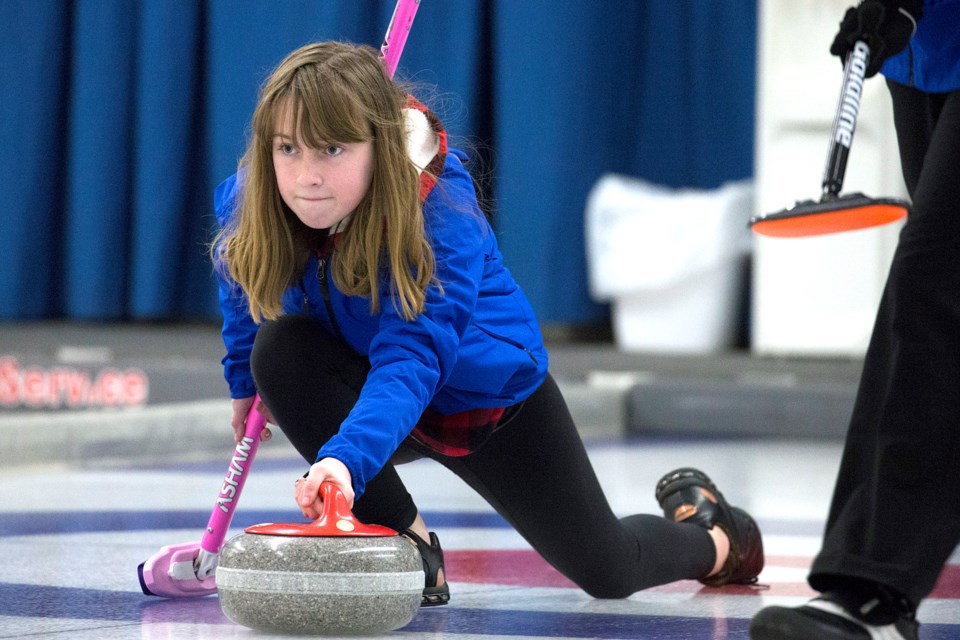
{"x": 688, "y": 495}
{"x": 432, "y": 555}
{"x": 835, "y": 616}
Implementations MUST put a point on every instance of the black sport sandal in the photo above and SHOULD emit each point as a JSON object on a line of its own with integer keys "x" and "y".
{"x": 432, "y": 555}
{"x": 688, "y": 495}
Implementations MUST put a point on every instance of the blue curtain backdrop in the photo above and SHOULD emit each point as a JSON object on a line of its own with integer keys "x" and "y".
{"x": 119, "y": 118}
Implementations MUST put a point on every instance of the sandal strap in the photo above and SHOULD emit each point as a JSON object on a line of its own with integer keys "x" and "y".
{"x": 688, "y": 495}
{"x": 432, "y": 555}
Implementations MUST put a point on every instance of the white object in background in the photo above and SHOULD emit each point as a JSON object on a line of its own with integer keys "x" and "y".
{"x": 672, "y": 262}
{"x": 816, "y": 296}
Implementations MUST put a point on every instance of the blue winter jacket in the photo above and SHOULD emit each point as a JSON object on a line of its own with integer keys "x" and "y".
{"x": 476, "y": 345}
{"x": 931, "y": 62}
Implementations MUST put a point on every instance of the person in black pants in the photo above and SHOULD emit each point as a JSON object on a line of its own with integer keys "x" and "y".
{"x": 895, "y": 516}
{"x": 366, "y": 300}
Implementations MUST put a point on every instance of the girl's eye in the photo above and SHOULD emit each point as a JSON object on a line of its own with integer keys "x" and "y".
{"x": 286, "y": 148}
{"x": 332, "y": 150}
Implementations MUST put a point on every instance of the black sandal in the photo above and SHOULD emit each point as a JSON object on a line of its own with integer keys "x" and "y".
{"x": 432, "y": 555}
{"x": 688, "y": 495}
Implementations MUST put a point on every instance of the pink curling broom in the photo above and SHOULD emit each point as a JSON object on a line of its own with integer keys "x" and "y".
{"x": 189, "y": 569}
{"x": 397, "y": 32}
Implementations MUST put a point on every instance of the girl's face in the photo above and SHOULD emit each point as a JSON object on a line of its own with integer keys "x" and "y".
{"x": 321, "y": 186}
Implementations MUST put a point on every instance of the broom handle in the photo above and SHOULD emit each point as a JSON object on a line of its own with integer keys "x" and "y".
{"x": 233, "y": 481}
{"x": 397, "y": 33}
{"x": 845, "y": 120}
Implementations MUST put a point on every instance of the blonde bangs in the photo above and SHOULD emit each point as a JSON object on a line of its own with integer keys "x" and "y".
{"x": 323, "y": 112}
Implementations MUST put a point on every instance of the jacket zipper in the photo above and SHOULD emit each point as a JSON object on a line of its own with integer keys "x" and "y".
{"x": 910, "y": 48}
{"x": 513, "y": 343}
{"x": 325, "y": 290}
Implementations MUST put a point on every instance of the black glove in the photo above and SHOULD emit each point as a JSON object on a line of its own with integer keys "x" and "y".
{"x": 885, "y": 25}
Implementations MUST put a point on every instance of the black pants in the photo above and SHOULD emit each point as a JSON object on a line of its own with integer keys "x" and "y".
{"x": 895, "y": 516}
{"x": 533, "y": 470}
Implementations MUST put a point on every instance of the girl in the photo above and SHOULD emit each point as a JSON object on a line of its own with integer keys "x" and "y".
{"x": 365, "y": 299}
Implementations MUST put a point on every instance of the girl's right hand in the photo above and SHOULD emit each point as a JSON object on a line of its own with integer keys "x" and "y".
{"x": 241, "y": 407}
{"x": 306, "y": 491}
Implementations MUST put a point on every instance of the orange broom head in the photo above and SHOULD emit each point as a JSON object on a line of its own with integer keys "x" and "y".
{"x": 833, "y": 215}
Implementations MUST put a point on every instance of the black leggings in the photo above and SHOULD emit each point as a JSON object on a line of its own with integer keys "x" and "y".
{"x": 534, "y": 470}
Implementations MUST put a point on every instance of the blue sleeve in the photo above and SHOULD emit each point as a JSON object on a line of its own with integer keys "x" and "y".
{"x": 410, "y": 361}
{"x": 239, "y": 329}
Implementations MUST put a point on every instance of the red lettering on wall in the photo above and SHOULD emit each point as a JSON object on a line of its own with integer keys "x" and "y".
{"x": 67, "y": 387}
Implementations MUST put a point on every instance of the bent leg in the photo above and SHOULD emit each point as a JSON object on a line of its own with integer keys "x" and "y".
{"x": 535, "y": 472}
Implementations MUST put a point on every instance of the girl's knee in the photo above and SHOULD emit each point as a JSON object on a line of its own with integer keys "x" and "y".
{"x": 283, "y": 334}
{"x": 284, "y": 341}
{"x": 607, "y": 581}
{"x": 604, "y": 588}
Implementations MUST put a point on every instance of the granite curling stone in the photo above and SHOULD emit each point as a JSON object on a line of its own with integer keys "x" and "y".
{"x": 334, "y": 576}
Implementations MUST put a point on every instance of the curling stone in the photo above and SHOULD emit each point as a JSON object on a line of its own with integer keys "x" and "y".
{"x": 332, "y": 576}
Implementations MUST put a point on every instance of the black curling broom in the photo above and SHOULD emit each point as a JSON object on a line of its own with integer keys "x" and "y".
{"x": 835, "y": 213}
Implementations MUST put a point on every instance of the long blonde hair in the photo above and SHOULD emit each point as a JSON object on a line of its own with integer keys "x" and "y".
{"x": 339, "y": 94}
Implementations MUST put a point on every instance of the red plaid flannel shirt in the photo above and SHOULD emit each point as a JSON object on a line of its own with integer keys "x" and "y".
{"x": 457, "y": 434}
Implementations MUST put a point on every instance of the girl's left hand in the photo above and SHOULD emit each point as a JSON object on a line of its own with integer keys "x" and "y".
{"x": 240, "y": 407}
{"x": 307, "y": 490}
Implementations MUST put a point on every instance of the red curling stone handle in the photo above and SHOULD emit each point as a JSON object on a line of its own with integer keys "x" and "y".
{"x": 335, "y": 521}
